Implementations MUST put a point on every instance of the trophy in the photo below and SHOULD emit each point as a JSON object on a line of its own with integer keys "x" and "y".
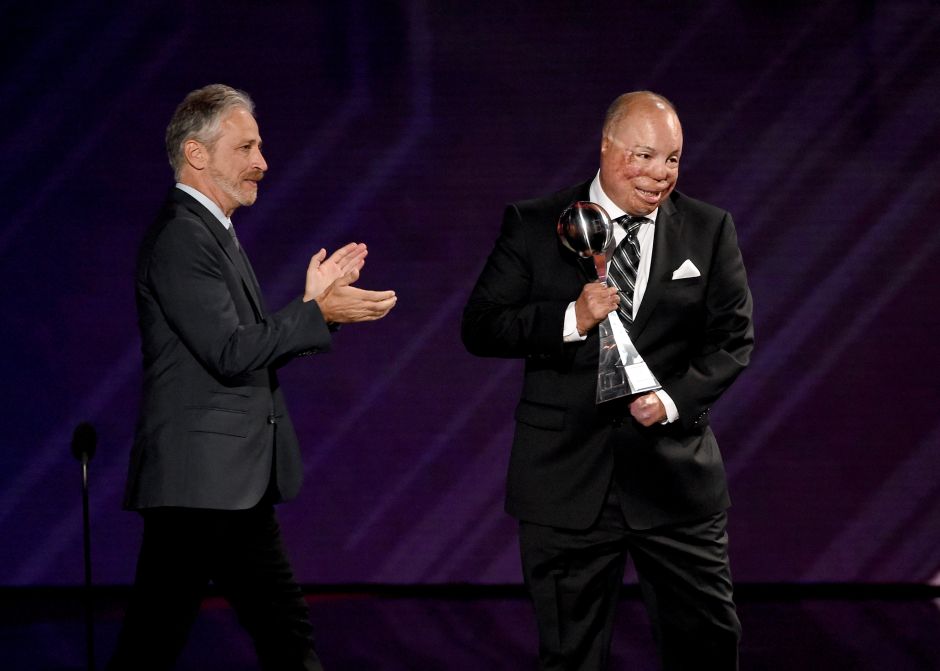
{"x": 586, "y": 229}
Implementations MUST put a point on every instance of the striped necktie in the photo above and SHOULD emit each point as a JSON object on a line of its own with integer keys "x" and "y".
{"x": 623, "y": 265}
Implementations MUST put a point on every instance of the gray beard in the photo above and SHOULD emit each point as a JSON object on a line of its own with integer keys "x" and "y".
{"x": 230, "y": 189}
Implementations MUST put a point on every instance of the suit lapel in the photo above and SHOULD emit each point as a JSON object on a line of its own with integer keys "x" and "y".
{"x": 227, "y": 243}
{"x": 667, "y": 246}
{"x": 245, "y": 271}
{"x": 249, "y": 273}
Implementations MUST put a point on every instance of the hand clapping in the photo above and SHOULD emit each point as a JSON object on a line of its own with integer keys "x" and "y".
{"x": 322, "y": 272}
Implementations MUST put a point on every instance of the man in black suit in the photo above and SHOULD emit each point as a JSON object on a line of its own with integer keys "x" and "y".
{"x": 593, "y": 483}
{"x": 215, "y": 448}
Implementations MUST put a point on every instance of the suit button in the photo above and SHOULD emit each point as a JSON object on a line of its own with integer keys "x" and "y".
{"x": 272, "y": 419}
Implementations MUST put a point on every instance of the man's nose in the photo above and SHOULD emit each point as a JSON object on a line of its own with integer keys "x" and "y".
{"x": 659, "y": 171}
{"x": 259, "y": 161}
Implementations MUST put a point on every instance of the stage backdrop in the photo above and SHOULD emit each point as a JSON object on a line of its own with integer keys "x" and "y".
{"x": 408, "y": 126}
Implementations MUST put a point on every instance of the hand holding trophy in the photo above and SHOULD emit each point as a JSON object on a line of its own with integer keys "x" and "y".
{"x": 586, "y": 229}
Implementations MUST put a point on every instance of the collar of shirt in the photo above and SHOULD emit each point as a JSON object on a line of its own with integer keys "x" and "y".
{"x": 597, "y": 195}
{"x": 206, "y": 202}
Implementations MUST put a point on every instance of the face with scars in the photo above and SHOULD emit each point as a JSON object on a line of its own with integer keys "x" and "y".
{"x": 640, "y": 155}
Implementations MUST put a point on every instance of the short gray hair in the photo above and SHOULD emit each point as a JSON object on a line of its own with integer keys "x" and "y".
{"x": 199, "y": 117}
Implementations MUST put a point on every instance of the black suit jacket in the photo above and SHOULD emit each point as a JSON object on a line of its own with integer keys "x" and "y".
{"x": 695, "y": 334}
{"x": 213, "y": 426}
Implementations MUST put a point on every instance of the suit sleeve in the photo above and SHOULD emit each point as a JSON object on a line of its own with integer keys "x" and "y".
{"x": 724, "y": 349}
{"x": 502, "y": 318}
{"x": 185, "y": 274}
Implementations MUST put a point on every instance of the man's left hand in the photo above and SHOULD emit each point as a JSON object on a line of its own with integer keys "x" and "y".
{"x": 648, "y": 410}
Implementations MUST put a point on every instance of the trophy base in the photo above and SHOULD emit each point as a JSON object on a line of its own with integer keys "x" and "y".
{"x": 621, "y": 381}
{"x": 621, "y": 370}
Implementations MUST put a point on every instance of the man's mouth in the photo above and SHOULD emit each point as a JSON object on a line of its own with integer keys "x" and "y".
{"x": 649, "y": 196}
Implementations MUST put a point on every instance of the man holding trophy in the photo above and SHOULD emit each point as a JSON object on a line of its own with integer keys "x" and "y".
{"x": 624, "y": 356}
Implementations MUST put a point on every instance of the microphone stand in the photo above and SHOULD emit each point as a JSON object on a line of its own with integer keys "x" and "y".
{"x": 84, "y": 442}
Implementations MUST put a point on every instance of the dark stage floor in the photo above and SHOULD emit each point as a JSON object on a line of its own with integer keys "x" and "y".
{"x": 452, "y": 629}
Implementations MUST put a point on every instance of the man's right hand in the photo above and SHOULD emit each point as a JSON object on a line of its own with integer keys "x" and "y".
{"x": 342, "y": 303}
{"x": 593, "y": 305}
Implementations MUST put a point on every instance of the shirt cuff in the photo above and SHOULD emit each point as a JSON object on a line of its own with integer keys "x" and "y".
{"x": 672, "y": 412}
{"x": 571, "y": 326}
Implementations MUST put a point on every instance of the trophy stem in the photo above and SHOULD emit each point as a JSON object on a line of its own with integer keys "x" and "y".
{"x": 600, "y": 264}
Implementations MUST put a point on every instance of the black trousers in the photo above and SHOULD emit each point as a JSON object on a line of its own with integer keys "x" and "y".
{"x": 242, "y": 553}
{"x": 574, "y": 579}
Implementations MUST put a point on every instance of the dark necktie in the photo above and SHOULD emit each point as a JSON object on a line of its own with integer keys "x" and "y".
{"x": 248, "y": 273}
{"x": 623, "y": 265}
{"x": 231, "y": 231}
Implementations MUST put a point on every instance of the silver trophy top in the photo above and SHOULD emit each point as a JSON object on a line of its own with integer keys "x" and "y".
{"x": 586, "y": 229}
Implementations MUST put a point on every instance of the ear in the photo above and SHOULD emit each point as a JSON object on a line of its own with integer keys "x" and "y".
{"x": 196, "y": 154}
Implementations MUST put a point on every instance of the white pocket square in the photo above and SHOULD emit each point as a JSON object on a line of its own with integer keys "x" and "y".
{"x": 685, "y": 271}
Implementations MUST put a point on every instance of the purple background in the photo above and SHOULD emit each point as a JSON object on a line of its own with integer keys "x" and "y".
{"x": 409, "y": 126}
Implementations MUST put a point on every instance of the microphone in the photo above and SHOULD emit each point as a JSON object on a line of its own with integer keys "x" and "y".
{"x": 84, "y": 442}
